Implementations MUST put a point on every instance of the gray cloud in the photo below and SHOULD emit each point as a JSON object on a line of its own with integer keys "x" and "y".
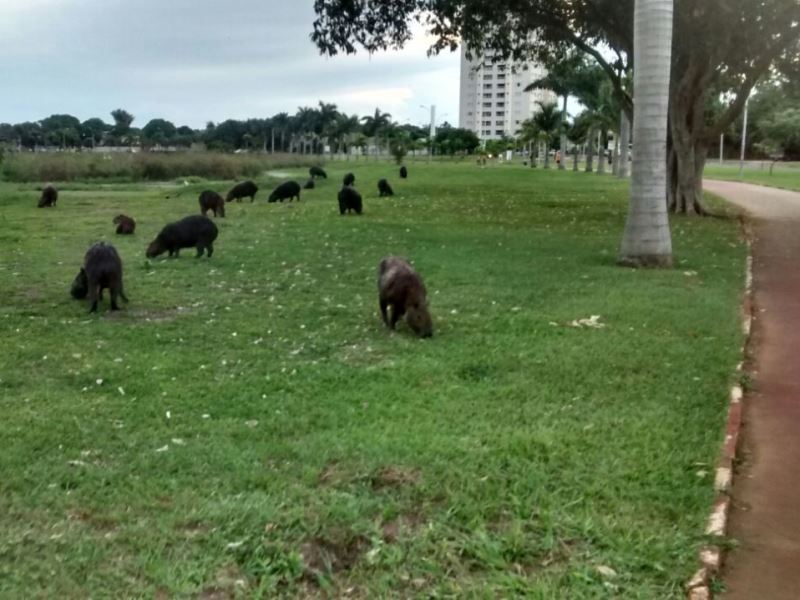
{"x": 191, "y": 61}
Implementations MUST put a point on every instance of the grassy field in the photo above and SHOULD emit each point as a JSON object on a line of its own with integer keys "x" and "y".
{"x": 786, "y": 176}
{"x": 247, "y": 427}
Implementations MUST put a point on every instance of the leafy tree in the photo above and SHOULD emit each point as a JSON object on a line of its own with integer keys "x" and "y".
{"x": 376, "y": 125}
{"x": 29, "y": 134}
{"x": 159, "y": 131}
{"x": 93, "y": 130}
{"x": 61, "y": 130}
{"x": 122, "y": 122}
{"x": 548, "y": 122}
{"x": 456, "y": 140}
{"x": 781, "y": 131}
{"x": 722, "y": 46}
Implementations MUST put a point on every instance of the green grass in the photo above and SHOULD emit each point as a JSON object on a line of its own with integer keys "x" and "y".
{"x": 247, "y": 426}
{"x": 786, "y": 176}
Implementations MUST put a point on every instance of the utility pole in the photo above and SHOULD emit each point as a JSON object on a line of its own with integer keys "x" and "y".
{"x": 744, "y": 137}
{"x": 721, "y": 149}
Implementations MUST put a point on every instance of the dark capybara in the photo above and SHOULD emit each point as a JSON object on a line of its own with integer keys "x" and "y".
{"x": 125, "y": 225}
{"x": 309, "y": 185}
{"x": 349, "y": 199}
{"x": 49, "y": 197}
{"x": 288, "y": 189}
{"x": 317, "y": 172}
{"x": 384, "y": 189}
{"x": 400, "y": 287}
{"x": 102, "y": 268}
{"x": 349, "y": 179}
{"x": 245, "y": 189}
{"x": 195, "y": 231}
{"x": 403, "y": 172}
{"x": 211, "y": 201}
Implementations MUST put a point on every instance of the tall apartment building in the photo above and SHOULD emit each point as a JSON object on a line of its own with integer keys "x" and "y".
{"x": 493, "y": 102}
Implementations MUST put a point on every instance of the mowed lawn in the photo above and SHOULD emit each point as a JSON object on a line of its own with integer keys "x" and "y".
{"x": 246, "y": 426}
{"x": 784, "y": 175}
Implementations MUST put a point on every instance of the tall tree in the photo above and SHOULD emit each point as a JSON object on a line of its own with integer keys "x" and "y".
{"x": 93, "y": 130}
{"x": 647, "y": 241}
{"x": 721, "y": 46}
{"x": 122, "y": 122}
{"x": 549, "y": 122}
{"x": 376, "y": 125}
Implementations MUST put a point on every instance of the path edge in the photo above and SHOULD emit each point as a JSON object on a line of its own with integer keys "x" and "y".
{"x": 711, "y": 555}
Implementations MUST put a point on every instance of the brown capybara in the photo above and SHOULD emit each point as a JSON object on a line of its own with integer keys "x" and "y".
{"x": 125, "y": 225}
{"x": 288, "y": 189}
{"x": 400, "y": 287}
{"x": 211, "y": 201}
{"x": 349, "y": 200}
{"x": 49, "y": 197}
{"x": 241, "y": 190}
{"x": 102, "y": 268}
{"x": 403, "y": 172}
{"x": 384, "y": 189}
{"x": 315, "y": 172}
{"x": 349, "y": 179}
{"x": 195, "y": 231}
{"x": 310, "y": 185}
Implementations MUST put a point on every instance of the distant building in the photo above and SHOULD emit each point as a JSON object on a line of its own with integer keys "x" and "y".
{"x": 493, "y": 102}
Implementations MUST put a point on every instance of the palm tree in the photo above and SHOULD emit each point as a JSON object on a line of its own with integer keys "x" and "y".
{"x": 548, "y": 121}
{"x": 343, "y": 129}
{"x": 529, "y": 134}
{"x": 563, "y": 79}
{"x": 326, "y": 118}
{"x": 577, "y": 134}
{"x": 647, "y": 241}
{"x": 375, "y": 125}
{"x": 280, "y": 124}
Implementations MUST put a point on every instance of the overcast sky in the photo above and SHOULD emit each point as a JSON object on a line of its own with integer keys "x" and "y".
{"x": 193, "y": 61}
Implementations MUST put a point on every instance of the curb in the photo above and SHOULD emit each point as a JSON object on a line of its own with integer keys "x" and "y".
{"x": 711, "y": 555}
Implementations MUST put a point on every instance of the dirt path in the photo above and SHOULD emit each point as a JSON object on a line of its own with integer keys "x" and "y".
{"x": 766, "y": 510}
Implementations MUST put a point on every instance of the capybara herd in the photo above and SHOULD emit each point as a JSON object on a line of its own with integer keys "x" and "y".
{"x": 102, "y": 269}
{"x": 401, "y": 292}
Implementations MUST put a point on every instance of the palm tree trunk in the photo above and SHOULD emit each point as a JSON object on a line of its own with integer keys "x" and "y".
{"x": 590, "y": 152}
{"x": 647, "y": 241}
{"x": 601, "y": 152}
{"x": 546, "y": 155}
{"x": 575, "y": 159}
{"x": 615, "y": 156}
{"x": 563, "y": 145}
{"x": 624, "y": 140}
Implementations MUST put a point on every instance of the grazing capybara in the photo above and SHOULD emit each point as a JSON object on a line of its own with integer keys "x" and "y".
{"x": 317, "y": 172}
{"x": 102, "y": 268}
{"x": 400, "y": 287}
{"x": 49, "y": 197}
{"x": 211, "y": 201}
{"x": 125, "y": 225}
{"x": 288, "y": 189}
{"x": 195, "y": 231}
{"x": 349, "y": 179}
{"x": 349, "y": 199}
{"x": 384, "y": 189}
{"x": 245, "y": 189}
{"x": 403, "y": 172}
{"x": 309, "y": 185}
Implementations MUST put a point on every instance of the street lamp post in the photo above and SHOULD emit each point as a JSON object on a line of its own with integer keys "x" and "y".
{"x": 432, "y": 132}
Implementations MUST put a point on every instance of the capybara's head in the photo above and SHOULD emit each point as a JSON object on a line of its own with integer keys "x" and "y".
{"x": 221, "y": 210}
{"x": 155, "y": 248}
{"x": 273, "y": 197}
{"x": 229, "y": 197}
{"x": 118, "y": 219}
{"x": 419, "y": 319}
{"x": 80, "y": 285}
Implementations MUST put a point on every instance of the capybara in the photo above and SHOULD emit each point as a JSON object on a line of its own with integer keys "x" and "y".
{"x": 195, "y": 231}
{"x": 245, "y": 189}
{"x": 403, "y": 172}
{"x": 211, "y": 201}
{"x": 349, "y": 179}
{"x": 349, "y": 199}
{"x": 400, "y": 287}
{"x": 317, "y": 172}
{"x": 309, "y": 184}
{"x": 125, "y": 225}
{"x": 384, "y": 189}
{"x": 102, "y": 268}
{"x": 288, "y": 189}
{"x": 49, "y": 196}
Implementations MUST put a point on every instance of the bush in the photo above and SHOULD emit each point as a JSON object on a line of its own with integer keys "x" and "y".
{"x": 41, "y": 167}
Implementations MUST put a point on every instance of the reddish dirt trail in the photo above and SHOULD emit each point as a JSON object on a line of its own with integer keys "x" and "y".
{"x": 765, "y": 519}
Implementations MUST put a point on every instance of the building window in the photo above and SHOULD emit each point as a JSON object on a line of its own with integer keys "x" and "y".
{"x": 487, "y": 113}
{"x": 487, "y": 75}
{"x": 500, "y": 113}
{"x": 487, "y": 105}
{"x": 501, "y": 86}
{"x": 487, "y": 86}
{"x": 501, "y": 104}
{"x": 499, "y": 132}
{"x": 489, "y": 95}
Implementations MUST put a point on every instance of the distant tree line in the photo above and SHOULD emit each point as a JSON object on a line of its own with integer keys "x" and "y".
{"x": 308, "y": 131}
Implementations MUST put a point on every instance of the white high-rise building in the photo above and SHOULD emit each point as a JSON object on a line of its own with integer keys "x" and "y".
{"x": 493, "y": 100}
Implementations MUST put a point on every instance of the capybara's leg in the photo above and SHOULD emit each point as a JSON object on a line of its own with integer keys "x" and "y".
{"x": 252, "y": 198}
{"x": 94, "y": 292}
{"x": 200, "y": 248}
{"x": 397, "y": 311}
{"x": 209, "y": 249}
{"x": 114, "y": 292}
{"x": 385, "y": 317}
